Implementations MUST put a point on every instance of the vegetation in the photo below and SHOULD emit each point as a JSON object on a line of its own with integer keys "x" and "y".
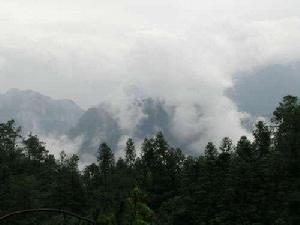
{"x": 255, "y": 182}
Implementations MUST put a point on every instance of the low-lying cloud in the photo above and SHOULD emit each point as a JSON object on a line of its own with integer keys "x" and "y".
{"x": 183, "y": 57}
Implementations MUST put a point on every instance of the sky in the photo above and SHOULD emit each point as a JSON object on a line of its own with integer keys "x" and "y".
{"x": 184, "y": 52}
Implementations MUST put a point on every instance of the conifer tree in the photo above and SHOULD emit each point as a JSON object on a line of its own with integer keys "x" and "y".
{"x": 244, "y": 149}
{"x": 130, "y": 152}
{"x": 262, "y": 138}
{"x": 34, "y": 148}
{"x": 106, "y": 162}
{"x": 226, "y": 145}
{"x": 211, "y": 151}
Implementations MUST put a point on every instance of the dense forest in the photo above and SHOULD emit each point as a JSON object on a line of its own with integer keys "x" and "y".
{"x": 251, "y": 182}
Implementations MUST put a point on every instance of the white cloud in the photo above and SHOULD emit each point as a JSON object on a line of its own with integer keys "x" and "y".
{"x": 57, "y": 144}
{"x": 183, "y": 52}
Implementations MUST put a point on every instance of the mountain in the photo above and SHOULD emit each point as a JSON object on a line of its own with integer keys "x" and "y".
{"x": 49, "y": 117}
{"x": 258, "y": 92}
{"x": 96, "y": 125}
{"x": 99, "y": 124}
{"x": 38, "y": 113}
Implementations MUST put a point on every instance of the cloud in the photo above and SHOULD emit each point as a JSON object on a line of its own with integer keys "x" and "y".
{"x": 57, "y": 144}
{"x": 183, "y": 53}
{"x": 193, "y": 71}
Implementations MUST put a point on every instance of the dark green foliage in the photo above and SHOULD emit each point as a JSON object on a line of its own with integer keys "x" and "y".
{"x": 251, "y": 183}
{"x": 211, "y": 151}
{"x": 262, "y": 138}
{"x": 105, "y": 159}
{"x": 226, "y": 145}
{"x": 130, "y": 153}
{"x": 34, "y": 149}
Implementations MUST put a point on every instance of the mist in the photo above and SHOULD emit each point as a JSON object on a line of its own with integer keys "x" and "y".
{"x": 183, "y": 54}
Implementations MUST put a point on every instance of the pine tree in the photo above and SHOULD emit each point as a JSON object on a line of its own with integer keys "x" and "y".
{"x": 244, "y": 149}
{"x": 148, "y": 154}
{"x": 211, "y": 151}
{"x": 226, "y": 145}
{"x": 287, "y": 136}
{"x": 262, "y": 138}
{"x": 130, "y": 153}
{"x": 160, "y": 145}
{"x": 34, "y": 148}
{"x": 106, "y": 162}
{"x": 226, "y": 149}
{"x": 9, "y": 134}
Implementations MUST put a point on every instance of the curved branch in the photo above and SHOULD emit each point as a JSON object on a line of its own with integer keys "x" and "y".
{"x": 47, "y": 210}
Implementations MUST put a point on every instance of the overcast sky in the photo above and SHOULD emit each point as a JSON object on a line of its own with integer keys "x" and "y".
{"x": 79, "y": 49}
{"x": 185, "y": 52}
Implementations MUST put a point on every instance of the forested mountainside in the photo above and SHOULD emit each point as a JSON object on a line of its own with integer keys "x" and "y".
{"x": 249, "y": 182}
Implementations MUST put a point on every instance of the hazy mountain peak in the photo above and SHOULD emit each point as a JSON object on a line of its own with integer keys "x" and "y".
{"x": 38, "y": 113}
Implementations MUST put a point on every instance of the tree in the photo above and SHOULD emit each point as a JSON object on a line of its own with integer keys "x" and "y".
{"x": 148, "y": 153}
{"x": 226, "y": 145}
{"x": 105, "y": 158}
{"x": 262, "y": 138}
{"x": 130, "y": 153}
{"x": 211, "y": 151}
{"x": 91, "y": 175}
{"x": 9, "y": 135}
{"x": 160, "y": 145}
{"x": 34, "y": 148}
{"x": 106, "y": 161}
{"x": 226, "y": 149}
{"x": 69, "y": 192}
{"x": 287, "y": 136}
{"x": 287, "y": 142}
{"x": 249, "y": 182}
{"x": 244, "y": 149}
{"x": 140, "y": 213}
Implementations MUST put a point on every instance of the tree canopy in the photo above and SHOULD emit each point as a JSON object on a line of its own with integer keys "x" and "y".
{"x": 255, "y": 181}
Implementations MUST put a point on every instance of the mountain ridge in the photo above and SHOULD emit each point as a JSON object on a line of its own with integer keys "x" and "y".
{"x": 38, "y": 113}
